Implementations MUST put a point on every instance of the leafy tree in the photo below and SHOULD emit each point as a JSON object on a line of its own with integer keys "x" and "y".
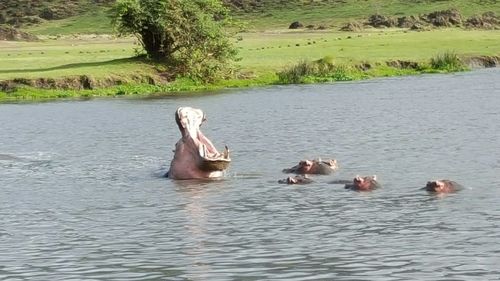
{"x": 190, "y": 36}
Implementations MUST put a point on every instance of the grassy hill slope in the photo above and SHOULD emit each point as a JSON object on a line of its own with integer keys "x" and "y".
{"x": 270, "y": 14}
{"x": 22, "y": 13}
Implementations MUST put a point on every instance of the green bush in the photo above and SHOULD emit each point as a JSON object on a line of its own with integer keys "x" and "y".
{"x": 296, "y": 73}
{"x": 188, "y": 36}
{"x": 321, "y": 70}
{"x": 447, "y": 61}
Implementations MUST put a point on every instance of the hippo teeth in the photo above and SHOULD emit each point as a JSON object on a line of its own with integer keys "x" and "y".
{"x": 205, "y": 153}
{"x": 202, "y": 150}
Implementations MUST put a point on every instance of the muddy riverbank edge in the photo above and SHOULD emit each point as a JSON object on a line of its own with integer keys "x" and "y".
{"x": 86, "y": 86}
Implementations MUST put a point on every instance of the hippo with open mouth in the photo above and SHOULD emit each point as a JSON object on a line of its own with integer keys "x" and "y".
{"x": 442, "y": 186}
{"x": 195, "y": 157}
{"x": 313, "y": 167}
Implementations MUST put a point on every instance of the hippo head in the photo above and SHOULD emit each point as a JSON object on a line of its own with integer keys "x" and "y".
{"x": 434, "y": 186}
{"x": 296, "y": 180}
{"x": 442, "y": 186}
{"x": 367, "y": 183}
{"x": 195, "y": 156}
{"x": 313, "y": 167}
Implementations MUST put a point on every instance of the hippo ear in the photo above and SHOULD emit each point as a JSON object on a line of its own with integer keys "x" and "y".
{"x": 374, "y": 177}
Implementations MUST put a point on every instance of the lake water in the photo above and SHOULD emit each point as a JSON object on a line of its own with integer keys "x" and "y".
{"x": 82, "y": 195}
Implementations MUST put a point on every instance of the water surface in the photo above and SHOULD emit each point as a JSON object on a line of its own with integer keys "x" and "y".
{"x": 82, "y": 195}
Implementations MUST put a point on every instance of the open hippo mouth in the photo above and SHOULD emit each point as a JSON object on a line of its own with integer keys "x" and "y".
{"x": 195, "y": 155}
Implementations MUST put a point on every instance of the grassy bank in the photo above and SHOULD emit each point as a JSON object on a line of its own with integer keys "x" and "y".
{"x": 75, "y": 57}
{"x": 263, "y": 55}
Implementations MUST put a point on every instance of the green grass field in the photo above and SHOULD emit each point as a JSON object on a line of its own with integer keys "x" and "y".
{"x": 78, "y": 46}
{"x": 274, "y": 50}
{"x": 94, "y": 55}
{"x": 260, "y": 52}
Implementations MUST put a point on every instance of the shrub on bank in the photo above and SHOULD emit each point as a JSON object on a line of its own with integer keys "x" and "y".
{"x": 322, "y": 70}
{"x": 448, "y": 61}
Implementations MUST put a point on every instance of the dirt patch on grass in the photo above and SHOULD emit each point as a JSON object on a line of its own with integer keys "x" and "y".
{"x": 10, "y": 33}
{"x": 403, "y": 64}
{"x": 487, "y": 20}
{"x": 352, "y": 26}
{"x": 444, "y": 18}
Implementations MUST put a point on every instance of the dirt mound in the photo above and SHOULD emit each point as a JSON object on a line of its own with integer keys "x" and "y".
{"x": 9, "y": 33}
{"x": 352, "y": 26}
{"x": 381, "y": 21}
{"x": 410, "y": 21}
{"x": 295, "y": 25}
{"x": 487, "y": 20}
{"x": 446, "y": 18}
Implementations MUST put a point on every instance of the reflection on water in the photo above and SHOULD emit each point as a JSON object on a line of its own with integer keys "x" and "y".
{"x": 83, "y": 197}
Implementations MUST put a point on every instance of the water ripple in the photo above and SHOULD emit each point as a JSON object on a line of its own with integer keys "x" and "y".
{"x": 83, "y": 197}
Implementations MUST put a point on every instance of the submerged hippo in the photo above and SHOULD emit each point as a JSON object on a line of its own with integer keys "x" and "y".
{"x": 296, "y": 180}
{"x": 313, "y": 167}
{"x": 195, "y": 157}
{"x": 367, "y": 183}
{"x": 442, "y": 186}
{"x": 8, "y": 157}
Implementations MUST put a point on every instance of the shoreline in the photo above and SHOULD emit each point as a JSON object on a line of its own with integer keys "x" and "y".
{"x": 87, "y": 87}
{"x": 83, "y": 67}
